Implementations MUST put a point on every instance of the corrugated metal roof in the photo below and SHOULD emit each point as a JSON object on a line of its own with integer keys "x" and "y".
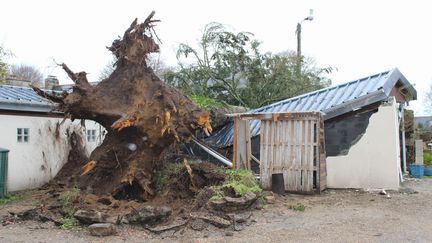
{"x": 333, "y": 101}
{"x": 17, "y": 98}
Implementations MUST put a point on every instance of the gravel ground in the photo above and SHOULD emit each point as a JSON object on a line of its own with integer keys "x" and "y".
{"x": 333, "y": 216}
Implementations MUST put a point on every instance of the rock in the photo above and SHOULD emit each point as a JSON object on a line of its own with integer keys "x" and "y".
{"x": 407, "y": 190}
{"x": 383, "y": 192}
{"x": 90, "y": 216}
{"x": 231, "y": 204}
{"x": 174, "y": 225}
{"x": 242, "y": 218}
{"x": 229, "y": 233}
{"x": 270, "y": 199}
{"x": 199, "y": 224}
{"x": 239, "y": 227}
{"x": 102, "y": 229}
{"x": 388, "y": 196}
{"x": 212, "y": 219}
{"x": 149, "y": 215}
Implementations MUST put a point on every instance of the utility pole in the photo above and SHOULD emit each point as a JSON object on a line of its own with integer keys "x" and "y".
{"x": 298, "y": 33}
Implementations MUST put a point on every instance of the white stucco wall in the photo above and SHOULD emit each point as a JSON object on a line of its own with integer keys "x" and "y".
{"x": 32, "y": 164}
{"x": 374, "y": 160}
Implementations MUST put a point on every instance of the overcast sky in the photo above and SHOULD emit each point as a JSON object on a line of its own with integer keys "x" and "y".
{"x": 359, "y": 38}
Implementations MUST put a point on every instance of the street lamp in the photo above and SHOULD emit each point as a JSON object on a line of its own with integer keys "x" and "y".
{"x": 298, "y": 32}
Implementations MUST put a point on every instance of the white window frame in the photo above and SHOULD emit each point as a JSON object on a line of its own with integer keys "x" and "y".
{"x": 91, "y": 135}
{"x": 23, "y": 135}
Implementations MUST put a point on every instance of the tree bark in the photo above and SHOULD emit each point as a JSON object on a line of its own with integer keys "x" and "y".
{"x": 142, "y": 115}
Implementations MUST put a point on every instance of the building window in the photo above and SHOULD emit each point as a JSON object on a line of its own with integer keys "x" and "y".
{"x": 91, "y": 135}
{"x": 22, "y": 135}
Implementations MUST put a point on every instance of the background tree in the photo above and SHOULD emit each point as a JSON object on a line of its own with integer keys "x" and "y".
{"x": 3, "y": 65}
{"x": 428, "y": 100}
{"x": 26, "y": 72}
{"x": 229, "y": 66}
{"x": 154, "y": 61}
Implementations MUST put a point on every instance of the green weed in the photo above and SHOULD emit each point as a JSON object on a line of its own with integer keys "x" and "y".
{"x": 68, "y": 198}
{"x": 10, "y": 198}
{"x": 241, "y": 181}
{"x": 298, "y": 207}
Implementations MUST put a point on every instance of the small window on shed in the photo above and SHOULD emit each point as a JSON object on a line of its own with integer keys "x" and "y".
{"x": 23, "y": 135}
{"x": 91, "y": 135}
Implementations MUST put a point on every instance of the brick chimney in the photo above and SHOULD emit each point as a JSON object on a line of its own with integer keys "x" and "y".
{"x": 51, "y": 81}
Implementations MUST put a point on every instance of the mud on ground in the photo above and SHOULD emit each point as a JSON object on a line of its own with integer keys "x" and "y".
{"x": 333, "y": 216}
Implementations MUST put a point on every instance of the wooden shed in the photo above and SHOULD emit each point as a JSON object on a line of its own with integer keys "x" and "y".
{"x": 291, "y": 144}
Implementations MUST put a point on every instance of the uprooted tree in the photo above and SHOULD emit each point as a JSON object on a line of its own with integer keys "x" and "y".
{"x": 142, "y": 115}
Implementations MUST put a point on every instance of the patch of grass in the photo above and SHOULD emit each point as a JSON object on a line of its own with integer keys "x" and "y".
{"x": 218, "y": 194}
{"x": 241, "y": 181}
{"x": 10, "y": 198}
{"x": 68, "y": 198}
{"x": 297, "y": 207}
{"x": 69, "y": 223}
{"x": 206, "y": 102}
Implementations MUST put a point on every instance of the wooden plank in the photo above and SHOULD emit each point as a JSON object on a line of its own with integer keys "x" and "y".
{"x": 298, "y": 156}
{"x": 323, "y": 163}
{"x": 234, "y": 159}
{"x": 271, "y": 149}
{"x": 310, "y": 151}
{"x": 248, "y": 145}
{"x": 306, "y": 154}
{"x": 265, "y": 183}
{"x": 304, "y": 177}
{"x": 243, "y": 149}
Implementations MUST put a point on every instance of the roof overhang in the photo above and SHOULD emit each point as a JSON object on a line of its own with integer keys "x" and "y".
{"x": 357, "y": 104}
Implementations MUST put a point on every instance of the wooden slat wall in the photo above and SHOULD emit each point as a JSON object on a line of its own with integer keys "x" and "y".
{"x": 293, "y": 144}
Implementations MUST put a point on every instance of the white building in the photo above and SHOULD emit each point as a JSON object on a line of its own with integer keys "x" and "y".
{"x": 37, "y": 140}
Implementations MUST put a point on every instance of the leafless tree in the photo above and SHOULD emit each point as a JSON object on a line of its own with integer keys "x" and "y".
{"x": 154, "y": 61}
{"x": 26, "y": 72}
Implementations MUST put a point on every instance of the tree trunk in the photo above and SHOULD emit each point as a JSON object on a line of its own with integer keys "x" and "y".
{"x": 142, "y": 115}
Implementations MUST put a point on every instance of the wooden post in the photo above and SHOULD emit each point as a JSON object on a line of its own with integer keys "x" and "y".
{"x": 242, "y": 144}
{"x": 419, "y": 152}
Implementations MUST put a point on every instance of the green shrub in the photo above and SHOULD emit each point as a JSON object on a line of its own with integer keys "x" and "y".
{"x": 206, "y": 102}
{"x": 427, "y": 158}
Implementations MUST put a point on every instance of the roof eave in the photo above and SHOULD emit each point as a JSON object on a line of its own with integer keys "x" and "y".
{"x": 396, "y": 76}
{"x": 355, "y": 104}
{"x": 28, "y": 107}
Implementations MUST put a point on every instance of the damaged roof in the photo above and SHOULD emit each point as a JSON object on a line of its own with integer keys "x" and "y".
{"x": 332, "y": 101}
{"x": 16, "y": 98}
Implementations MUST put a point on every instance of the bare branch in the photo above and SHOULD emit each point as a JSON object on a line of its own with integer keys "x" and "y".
{"x": 80, "y": 78}
{"x": 52, "y": 97}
